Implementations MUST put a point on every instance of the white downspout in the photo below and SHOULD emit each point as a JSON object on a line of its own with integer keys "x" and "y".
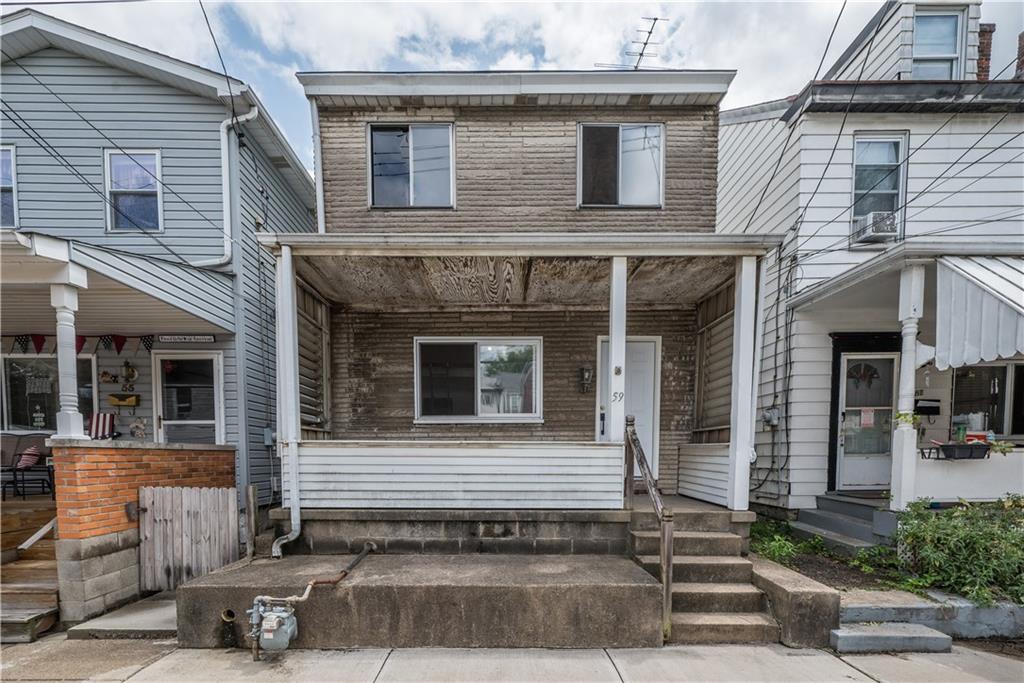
{"x": 318, "y": 167}
{"x": 225, "y": 185}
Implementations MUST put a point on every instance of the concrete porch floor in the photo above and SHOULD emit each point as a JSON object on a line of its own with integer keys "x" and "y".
{"x": 56, "y": 658}
{"x": 566, "y": 601}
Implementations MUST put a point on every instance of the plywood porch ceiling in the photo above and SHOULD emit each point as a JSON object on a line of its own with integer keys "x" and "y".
{"x": 408, "y": 282}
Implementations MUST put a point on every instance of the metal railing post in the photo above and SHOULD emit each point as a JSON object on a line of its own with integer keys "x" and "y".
{"x": 668, "y": 528}
{"x": 630, "y": 456}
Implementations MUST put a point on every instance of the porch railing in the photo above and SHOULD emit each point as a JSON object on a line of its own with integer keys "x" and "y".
{"x": 635, "y": 455}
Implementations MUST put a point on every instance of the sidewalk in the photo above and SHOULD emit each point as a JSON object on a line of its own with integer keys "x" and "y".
{"x": 56, "y": 658}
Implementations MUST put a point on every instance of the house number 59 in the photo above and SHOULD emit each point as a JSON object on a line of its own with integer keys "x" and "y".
{"x": 618, "y": 396}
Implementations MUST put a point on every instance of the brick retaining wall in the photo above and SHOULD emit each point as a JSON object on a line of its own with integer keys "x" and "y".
{"x": 97, "y": 546}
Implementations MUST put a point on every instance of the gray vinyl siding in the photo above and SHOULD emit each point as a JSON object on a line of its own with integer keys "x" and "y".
{"x": 748, "y": 154}
{"x": 879, "y": 57}
{"x": 282, "y": 211}
{"x": 134, "y": 112}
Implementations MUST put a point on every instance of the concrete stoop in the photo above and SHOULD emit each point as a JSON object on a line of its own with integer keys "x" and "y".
{"x": 949, "y": 614}
{"x": 401, "y": 601}
{"x": 888, "y": 637}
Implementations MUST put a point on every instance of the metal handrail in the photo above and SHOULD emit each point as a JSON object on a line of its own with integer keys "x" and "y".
{"x": 634, "y": 452}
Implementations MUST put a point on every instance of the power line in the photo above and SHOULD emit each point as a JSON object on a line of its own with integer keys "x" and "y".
{"x": 35, "y": 136}
{"x": 110, "y": 140}
{"x": 224, "y": 68}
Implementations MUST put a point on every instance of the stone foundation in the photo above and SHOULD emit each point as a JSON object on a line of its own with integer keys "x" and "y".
{"x": 97, "y": 574}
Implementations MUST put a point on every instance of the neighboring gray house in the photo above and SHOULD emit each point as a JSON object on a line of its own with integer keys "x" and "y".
{"x": 133, "y": 185}
{"x": 895, "y": 313}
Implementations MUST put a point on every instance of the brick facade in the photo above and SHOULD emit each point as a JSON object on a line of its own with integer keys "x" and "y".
{"x": 985, "y": 32}
{"x": 515, "y": 170}
{"x": 373, "y": 382}
{"x": 95, "y": 481}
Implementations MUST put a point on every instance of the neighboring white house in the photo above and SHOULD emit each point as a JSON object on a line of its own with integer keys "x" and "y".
{"x": 899, "y": 288}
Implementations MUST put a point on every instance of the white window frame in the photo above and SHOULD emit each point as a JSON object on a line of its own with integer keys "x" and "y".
{"x": 900, "y": 137}
{"x": 14, "y": 185}
{"x": 536, "y": 417}
{"x": 1008, "y": 388}
{"x": 107, "y": 192}
{"x": 218, "y": 391}
{"x": 958, "y": 56}
{"x": 6, "y": 418}
{"x": 579, "y": 165}
{"x": 410, "y": 125}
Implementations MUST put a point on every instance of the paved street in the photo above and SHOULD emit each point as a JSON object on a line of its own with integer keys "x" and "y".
{"x": 55, "y": 658}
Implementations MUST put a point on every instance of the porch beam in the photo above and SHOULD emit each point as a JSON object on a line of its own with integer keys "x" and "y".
{"x": 48, "y": 272}
{"x": 741, "y": 440}
{"x": 616, "y": 380}
{"x": 526, "y": 244}
{"x": 904, "y": 441}
{"x": 64, "y": 299}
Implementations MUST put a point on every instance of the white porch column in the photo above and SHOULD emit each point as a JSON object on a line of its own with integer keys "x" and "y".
{"x": 616, "y": 380}
{"x": 64, "y": 299}
{"x": 904, "y": 440}
{"x": 288, "y": 425}
{"x": 741, "y": 417}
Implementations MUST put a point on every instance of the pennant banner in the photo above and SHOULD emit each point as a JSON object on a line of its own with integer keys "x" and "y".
{"x": 79, "y": 343}
{"x": 38, "y": 342}
{"x": 119, "y": 342}
{"x": 21, "y": 343}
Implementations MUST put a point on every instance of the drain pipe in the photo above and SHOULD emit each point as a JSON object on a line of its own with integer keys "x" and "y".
{"x": 227, "y": 196}
{"x": 288, "y": 390}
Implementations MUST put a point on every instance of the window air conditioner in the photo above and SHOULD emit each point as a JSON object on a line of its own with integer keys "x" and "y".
{"x": 877, "y": 226}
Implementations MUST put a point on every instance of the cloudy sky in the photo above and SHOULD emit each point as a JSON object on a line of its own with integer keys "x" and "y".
{"x": 775, "y": 46}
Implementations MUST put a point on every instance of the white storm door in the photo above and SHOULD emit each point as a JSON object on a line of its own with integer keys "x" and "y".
{"x": 642, "y": 393}
{"x": 867, "y": 402}
{"x": 188, "y": 397}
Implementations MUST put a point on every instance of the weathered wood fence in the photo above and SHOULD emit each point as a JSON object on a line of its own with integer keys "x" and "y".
{"x": 185, "y": 533}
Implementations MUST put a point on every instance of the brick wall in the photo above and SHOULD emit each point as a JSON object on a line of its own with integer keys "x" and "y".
{"x": 372, "y": 371}
{"x": 95, "y": 481}
{"x": 515, "y": 170}
{"x": 985, "y": 32}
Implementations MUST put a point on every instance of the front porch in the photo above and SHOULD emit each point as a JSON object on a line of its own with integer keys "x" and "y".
{"x": 454, "y": 372}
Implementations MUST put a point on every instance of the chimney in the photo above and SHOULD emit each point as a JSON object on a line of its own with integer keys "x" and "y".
{"x": 985, "y": 32}
{"x": 1020, "y": 57}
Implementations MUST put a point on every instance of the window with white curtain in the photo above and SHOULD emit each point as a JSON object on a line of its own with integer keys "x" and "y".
{"x": 134, "y": 191}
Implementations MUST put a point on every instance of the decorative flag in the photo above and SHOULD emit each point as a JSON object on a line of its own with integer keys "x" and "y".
{"x": 79, "y": 343}
{"x": 147, "y": 341}
{"x": 21, "y": 343}
{"x": 119, "y": 342}
{"x": 38, "y": 342}
{"x": 106, "y": 341}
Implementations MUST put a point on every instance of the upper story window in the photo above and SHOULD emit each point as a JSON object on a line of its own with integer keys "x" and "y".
{"x": 621, "y": 165}
{"x": 8, "y": 189}
{"x": 411, "y": 166}
{"x": 938, "y": 46}
{"x": 877, "y": 176}
{"x": 134, "y": 191}
{"x": 478, "y": 379}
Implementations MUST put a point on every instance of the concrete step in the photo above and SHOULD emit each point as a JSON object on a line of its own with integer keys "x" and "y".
{"x": 692, "y": 520}
{"x": 25, "y": 624}
{"x": 697, "y": 627}
{"x": 688, "y": 543}
{"x": 839, "y": 523}
{"x": 861, "y": 508}
{"x": 839, "y": 543}
{"x": 717, "y": 597}
{"x": 43, "y": 549}
{"x": 888, "y": 637}
{"x": 702, "y": 568}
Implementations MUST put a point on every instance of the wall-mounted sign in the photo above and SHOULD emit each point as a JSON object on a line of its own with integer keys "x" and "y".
{"x": 185, "y": 338}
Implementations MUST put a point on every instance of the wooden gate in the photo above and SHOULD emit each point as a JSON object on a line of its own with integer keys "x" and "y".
{"x": 185, "y": 533}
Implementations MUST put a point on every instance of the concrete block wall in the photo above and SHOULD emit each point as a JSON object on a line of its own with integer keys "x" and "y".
{"x": 97, "y": 541}
{"x": 515, "y": 170}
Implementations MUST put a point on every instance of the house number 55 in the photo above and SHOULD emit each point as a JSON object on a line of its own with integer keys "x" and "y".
{"x": 618, "y": 396}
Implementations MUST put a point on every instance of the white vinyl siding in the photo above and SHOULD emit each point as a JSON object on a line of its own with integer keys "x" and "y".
{"x": 433, "y": 474}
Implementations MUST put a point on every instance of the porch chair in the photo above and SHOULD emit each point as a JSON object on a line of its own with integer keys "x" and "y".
{"x": 101, "y": 426}
{"x": 24, "y": 464}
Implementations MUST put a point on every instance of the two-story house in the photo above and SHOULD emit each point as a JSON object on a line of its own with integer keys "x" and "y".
{"x": 509, "y": 265}
{"x": 894, "y": 310}
{"x": 136, "y": 299}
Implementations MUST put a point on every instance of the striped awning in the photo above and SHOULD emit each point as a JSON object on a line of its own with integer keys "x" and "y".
{"x": 979, "y": 309}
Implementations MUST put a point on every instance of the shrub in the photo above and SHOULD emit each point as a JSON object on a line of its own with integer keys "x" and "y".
{"x": 975, "y": 550}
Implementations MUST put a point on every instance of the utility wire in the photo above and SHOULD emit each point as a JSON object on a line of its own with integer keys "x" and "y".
{"x": 223, "y": 66}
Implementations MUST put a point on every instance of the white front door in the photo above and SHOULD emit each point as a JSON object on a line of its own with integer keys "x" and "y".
{"x": 867, "y": 400}
{"x": 188, "y": 397}
{"x": 642, "y": 393}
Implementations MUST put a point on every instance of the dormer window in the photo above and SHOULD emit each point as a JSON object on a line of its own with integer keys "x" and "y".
{"x": 938, "y": 46}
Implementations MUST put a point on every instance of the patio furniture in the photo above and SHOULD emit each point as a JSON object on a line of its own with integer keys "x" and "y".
{"x": 23, "y": 464}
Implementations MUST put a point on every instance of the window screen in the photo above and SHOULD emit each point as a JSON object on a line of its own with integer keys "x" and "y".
{"x": 447, "y": 379}
{"x": 600, "y": 182}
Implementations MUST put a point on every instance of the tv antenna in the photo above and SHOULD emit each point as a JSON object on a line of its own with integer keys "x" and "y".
{"x": 642, "y": 44}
